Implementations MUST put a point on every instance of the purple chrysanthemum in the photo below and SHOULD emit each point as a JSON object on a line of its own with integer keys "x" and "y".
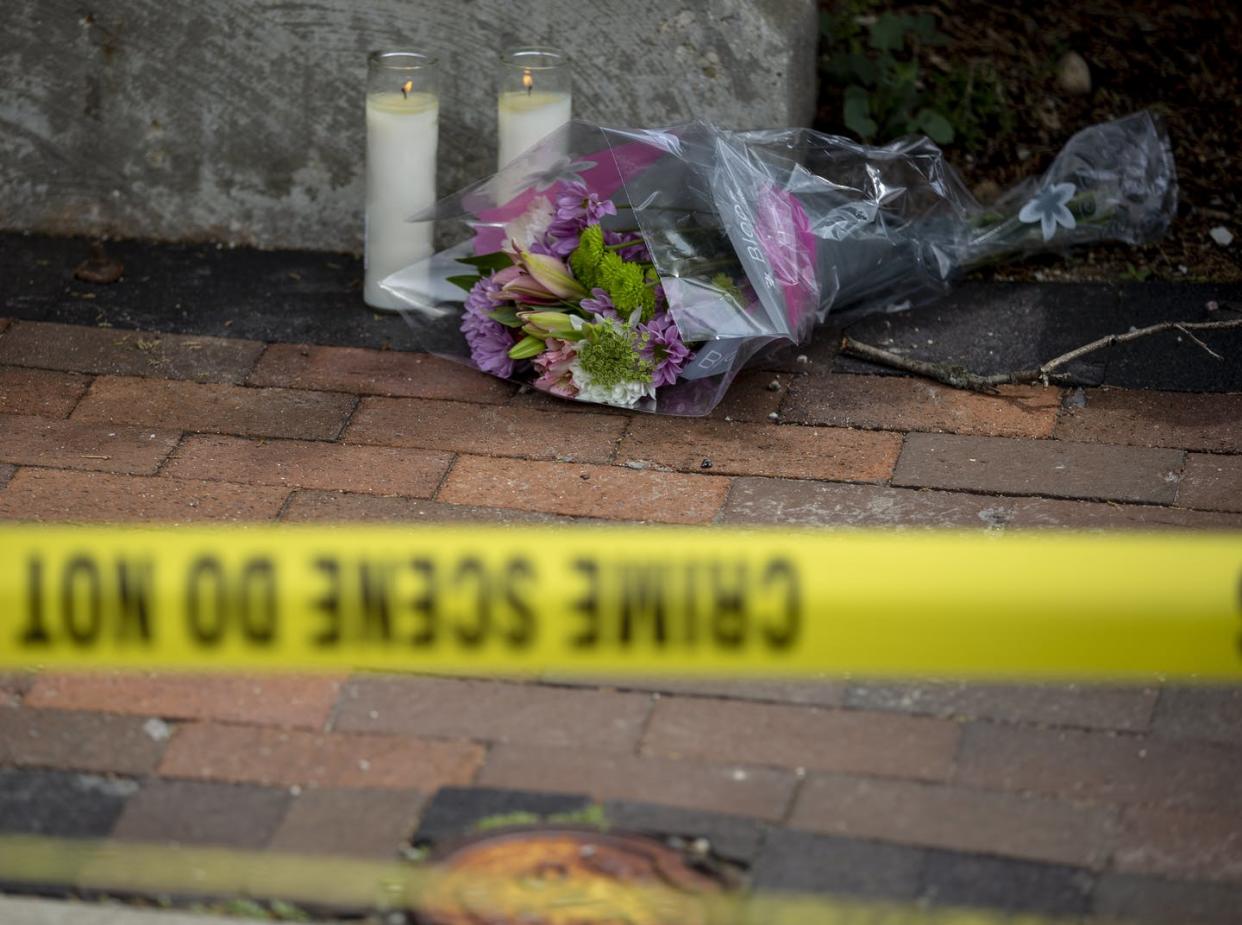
{"x": 576, "y": 208}
{"x": 664, "y": 348}
{"x": 600, "y": 303}
{"x": 489, "y": 340}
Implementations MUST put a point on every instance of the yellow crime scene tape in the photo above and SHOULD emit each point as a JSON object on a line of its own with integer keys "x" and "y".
{"x": 439, "y": 896}
{"x": 615, "y": 600}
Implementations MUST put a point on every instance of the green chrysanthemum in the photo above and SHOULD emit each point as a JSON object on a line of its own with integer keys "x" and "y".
{"x": 585, "y": 259}
{"x": 626, "y": 284}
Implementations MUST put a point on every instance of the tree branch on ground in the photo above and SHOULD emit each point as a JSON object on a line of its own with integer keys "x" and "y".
{"x": 959, "y": 377}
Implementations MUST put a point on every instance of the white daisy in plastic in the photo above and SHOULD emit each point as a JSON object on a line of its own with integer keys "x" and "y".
{"x": 1048, "y": 208}
{"x": 563, "y": 170}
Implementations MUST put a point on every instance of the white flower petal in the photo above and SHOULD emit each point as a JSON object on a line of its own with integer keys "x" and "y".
{"x": 1064, "y": 192}
{"x": 1030, "y": 212}
{"x": 1048, "y": 225}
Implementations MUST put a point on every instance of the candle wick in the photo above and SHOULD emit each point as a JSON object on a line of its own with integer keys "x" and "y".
{"x": 406, "y": 88}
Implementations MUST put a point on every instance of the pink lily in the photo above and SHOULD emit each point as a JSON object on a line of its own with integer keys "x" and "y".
{"x": 553, "y": 275}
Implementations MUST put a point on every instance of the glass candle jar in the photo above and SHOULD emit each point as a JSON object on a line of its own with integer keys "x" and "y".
{"x": 535, "y": 98}
{"x": 403, "y": 115}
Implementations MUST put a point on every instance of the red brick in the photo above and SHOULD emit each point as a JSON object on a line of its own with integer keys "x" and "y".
{"x": 83, "y": 349}
{"x": 585, "y": 491}
{"x": 78, "y": 741}
{"x": 1175, "y": 419}
{"x": 902, "y": 403}
{"x": 81, "y": 497}
{"x": 14, "y": 685}
{"x": 1202, "y": 846}
{"x": 212, "y": 408}
{"x": 375, "y": 372}
{"x": 350, "y": 507}
{"x": 1083, "y": 706}
{"x": 1200, "y": 712}
{"x": 820, "y": 693}
{"x": 40, "y": 391}
{"x": 1092, "y": 515}
{"x": 485, "y": 429}
{"x": 1035, "y": 828}
{"x": 491, "y": 711}
{"x": 750, "y": 397}
{"x": 802, "y": 737}
{"x": 527, "y": 397}
{"x": 35, "y": 441}
{"x": 1039, "y": 467}
{"x": 762, "y": 449}
{"x": 266, "y": 700}
{"x": 793, "y": 501}
{"x": 199, "y": 813}
{"x": 1160, "y": 901}
{"x": 1101, "y": 766}
{"x": 255, "y": 754}
{"x": 311, "y": 464}
{"x": 1212, "y": 483}
{"x": 756, "y": 792}
{"x": 349, "y": 823}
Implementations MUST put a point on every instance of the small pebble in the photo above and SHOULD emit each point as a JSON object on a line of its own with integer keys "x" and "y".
{"x": 1213, "y": 306}
{"x": 1073, "y": 74}
{"x": 638, "y": 463}
{"x": 586, "y": 477}
{"x": 1221, "y": 235}
{"x": 157, "y": 729}
{"x": 773, "y": 416}
{"x": 774, "y": 385}
{"x": 701, "y": 846}
{"x": 803, "y": 359}
{"x": 705, "y": 464}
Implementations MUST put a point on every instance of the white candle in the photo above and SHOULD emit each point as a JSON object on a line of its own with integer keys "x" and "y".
{"x": 402, "y": 134}
{"x": 526, "y": 117}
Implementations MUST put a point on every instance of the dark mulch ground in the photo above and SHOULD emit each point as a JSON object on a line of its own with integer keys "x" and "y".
{"x": 1180, "y": 59}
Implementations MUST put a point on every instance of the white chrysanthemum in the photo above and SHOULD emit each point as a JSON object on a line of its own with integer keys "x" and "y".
{"x": 530, "y": 226}
{"x": 621, "y": 395}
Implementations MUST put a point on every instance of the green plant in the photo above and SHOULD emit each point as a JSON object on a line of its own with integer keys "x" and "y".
{"x": 591, "y": 816}
{"x": 885, "y": 92}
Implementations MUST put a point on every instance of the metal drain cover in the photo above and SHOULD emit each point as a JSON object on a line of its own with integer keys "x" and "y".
{"x": 565, "y": 877}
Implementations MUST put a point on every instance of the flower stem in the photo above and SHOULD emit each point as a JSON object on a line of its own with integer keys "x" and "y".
{"x": 621, "y": 245}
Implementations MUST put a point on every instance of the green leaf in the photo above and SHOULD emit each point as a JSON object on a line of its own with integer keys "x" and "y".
{"x": 506, "y": 315}
{"x": 463, "y": 282}
{"x": 857, "y": 113}
{"x": 488, "y": 262}
{"x": 888, "y": 32}
{"x": 935, "y": 126}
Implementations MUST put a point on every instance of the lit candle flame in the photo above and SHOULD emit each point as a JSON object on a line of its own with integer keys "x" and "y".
{"x": 406, "y": 88}
{"x": 527, "y": 80}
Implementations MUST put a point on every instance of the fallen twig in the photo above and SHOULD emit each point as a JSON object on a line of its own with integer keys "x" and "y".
{"x": 959, "y": 377}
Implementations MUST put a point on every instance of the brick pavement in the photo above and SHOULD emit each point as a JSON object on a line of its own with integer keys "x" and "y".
{"x": 1061, "y": 799}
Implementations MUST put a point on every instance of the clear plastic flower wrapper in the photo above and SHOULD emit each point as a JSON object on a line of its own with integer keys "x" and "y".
{"x": 645, "y": 268}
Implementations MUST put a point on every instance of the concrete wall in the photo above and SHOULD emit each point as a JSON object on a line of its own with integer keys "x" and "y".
{"x": 243, "y": 121}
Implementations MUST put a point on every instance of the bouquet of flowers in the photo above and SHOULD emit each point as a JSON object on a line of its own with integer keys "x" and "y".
{"x": 645, "y": 268}
{"x": 582, "y": 304}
